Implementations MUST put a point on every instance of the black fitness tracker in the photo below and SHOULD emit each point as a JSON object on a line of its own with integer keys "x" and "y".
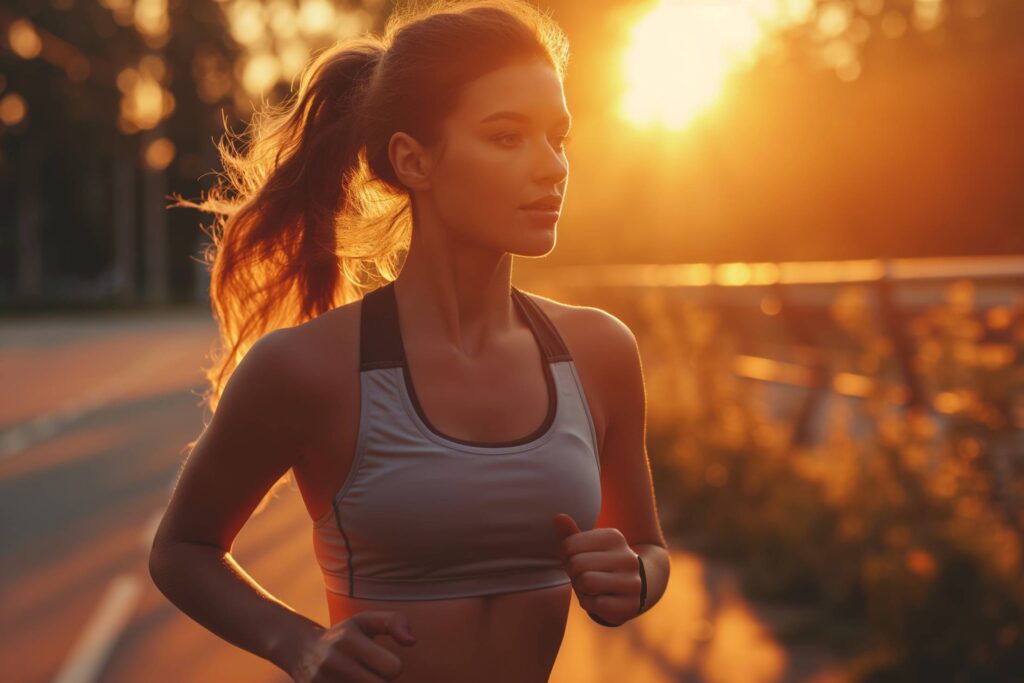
{"x": 643, "y": 596}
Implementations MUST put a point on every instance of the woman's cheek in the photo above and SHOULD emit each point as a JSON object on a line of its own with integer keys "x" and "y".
{"x": 493, "y": 182}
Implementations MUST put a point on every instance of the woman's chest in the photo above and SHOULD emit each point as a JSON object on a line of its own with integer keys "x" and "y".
{"x": 328, "y": 461}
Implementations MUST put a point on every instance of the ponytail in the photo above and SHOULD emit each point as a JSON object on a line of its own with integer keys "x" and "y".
{"x": 309, "y": 212}
{"x": 274, "y": 259}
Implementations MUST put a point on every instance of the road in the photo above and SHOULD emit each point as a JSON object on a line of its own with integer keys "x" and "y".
{"x": 93, "y": 426}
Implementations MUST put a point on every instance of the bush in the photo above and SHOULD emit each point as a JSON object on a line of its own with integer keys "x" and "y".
{"x": 905, "y": 540}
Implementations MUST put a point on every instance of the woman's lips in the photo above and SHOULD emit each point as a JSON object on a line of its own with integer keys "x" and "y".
{"x": 542, "y": 215}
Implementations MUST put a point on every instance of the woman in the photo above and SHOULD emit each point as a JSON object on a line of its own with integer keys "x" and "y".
{"x": 469, "y": 454}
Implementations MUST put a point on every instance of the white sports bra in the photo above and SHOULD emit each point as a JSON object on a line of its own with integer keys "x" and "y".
{"x": 425, "y": 516}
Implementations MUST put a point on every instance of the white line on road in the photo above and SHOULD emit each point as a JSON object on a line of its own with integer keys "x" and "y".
{"x": 43, "y": 427}
{"x": 89, "y": 655}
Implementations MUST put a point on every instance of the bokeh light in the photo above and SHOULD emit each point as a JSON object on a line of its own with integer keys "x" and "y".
{"x": 159, "y": 154}
{"x": 145, "y": 102}
{"x": 12, "y": 109}
{"x": 23, "y": 39}
{"x": 279, "y": 36}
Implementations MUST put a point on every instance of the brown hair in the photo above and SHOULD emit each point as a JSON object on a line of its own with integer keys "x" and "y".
{"x": 311, "y": 214}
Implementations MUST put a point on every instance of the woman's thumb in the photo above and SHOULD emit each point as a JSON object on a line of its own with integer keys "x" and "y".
{"x": 565, "y": 525}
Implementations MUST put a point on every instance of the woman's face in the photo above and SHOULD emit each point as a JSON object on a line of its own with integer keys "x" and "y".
{"x": 503, "y": 148}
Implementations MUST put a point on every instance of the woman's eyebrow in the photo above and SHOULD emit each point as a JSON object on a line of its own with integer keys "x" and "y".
{"x": 517, "y": 116}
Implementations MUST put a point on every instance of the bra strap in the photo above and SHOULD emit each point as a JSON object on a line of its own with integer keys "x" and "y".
{"x": 380, "y": 339}
{"x": 551, "y": 342}
{"x": 380, "y": 342}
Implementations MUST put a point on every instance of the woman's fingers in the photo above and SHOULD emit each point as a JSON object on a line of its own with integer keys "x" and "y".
{"x": 376, "y": 658}
{"x": 607, "y": 583}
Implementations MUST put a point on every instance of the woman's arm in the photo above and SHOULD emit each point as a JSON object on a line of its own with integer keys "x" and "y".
{"x": 628, "y": 496}
{"x": 206, "y": 583}
{"x": 254, "y": 437}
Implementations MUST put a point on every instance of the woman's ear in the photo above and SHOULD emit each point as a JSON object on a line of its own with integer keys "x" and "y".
{"x": 411, "y": 161}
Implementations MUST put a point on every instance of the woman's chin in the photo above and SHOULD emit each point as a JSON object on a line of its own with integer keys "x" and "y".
{"x": 539, "y": 243}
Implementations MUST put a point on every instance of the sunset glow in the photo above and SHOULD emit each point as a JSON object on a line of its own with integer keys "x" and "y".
{"x": 681, "y": 53}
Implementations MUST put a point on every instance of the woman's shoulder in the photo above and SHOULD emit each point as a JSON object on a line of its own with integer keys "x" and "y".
{"x": 587, "y": 325}
{"x": 315, "y": 356}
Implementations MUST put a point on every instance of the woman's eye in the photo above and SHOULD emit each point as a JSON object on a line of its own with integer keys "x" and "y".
{"x": 507, "y": 136}
{"x": 563, "y": 141}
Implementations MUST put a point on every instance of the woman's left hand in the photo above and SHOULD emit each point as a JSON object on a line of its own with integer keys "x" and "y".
{"x": 604, "y": 570}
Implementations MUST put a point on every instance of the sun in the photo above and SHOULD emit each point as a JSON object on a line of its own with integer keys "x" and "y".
{"x": 681, "y": 53}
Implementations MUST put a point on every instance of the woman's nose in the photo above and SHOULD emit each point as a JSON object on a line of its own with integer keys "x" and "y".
{"x": 552, "y": 167}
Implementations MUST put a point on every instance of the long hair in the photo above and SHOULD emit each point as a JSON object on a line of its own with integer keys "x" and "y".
{"x": 310, "y": 213}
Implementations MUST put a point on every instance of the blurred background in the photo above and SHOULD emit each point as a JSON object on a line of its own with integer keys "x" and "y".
{"x": 810, "y": 212}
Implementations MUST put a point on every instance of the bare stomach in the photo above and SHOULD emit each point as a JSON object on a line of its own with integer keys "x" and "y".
{"x": 503, "y": 638}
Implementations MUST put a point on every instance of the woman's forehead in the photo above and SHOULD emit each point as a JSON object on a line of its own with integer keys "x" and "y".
{"x": 527, "y": 93}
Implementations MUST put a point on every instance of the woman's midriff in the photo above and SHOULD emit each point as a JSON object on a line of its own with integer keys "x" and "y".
{"x": 502, "y": 638}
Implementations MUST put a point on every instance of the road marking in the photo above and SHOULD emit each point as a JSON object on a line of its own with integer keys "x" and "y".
{"x": 43, "y": 427}
{"x": 88, "y": 657}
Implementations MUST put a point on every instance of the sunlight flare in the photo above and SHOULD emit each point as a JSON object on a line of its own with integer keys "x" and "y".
{"x": 681, "y": 53}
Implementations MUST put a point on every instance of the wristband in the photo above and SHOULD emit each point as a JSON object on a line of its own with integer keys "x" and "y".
{"x": 643, "y": 596}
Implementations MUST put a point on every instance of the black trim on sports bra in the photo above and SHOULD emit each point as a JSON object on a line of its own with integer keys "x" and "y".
{"x": 381, "y": 346}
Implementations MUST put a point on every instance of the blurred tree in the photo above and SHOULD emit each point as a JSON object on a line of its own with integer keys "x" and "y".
{"x": 901, "y": 113}
{"x": 845, "y": 35}
{"x": 117, "y": 99}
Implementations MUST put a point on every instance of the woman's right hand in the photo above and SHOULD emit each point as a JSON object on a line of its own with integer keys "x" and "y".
{"x": 346, "y": 653}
